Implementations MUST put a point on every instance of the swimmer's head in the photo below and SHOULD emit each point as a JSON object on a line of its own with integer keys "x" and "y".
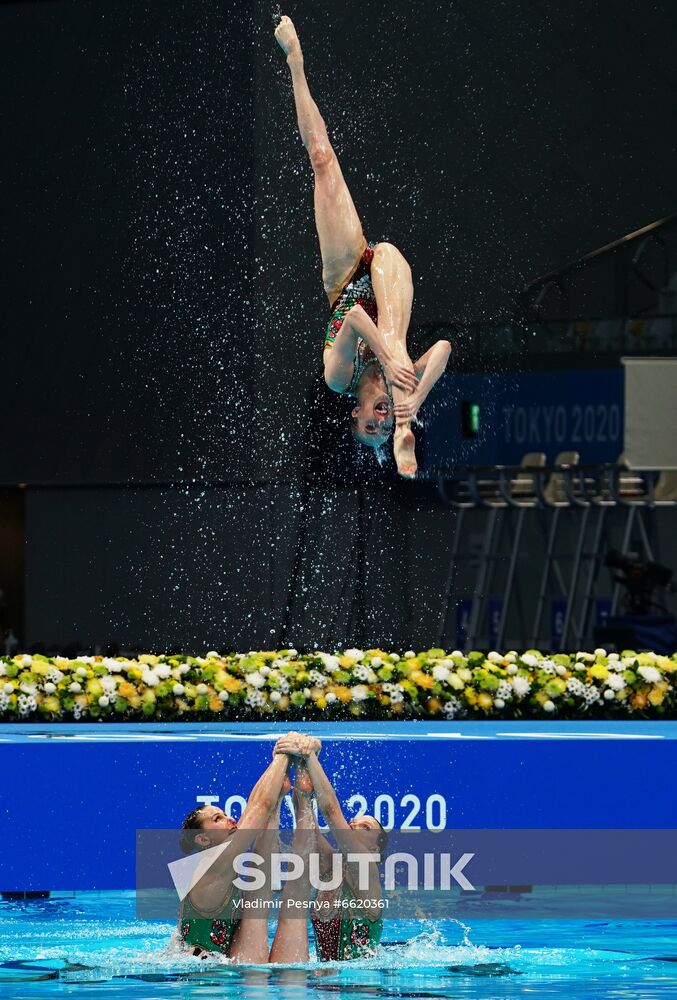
{"x": 214, "y": 827}
{"x": 372, "y": 834}
{"x": 372, "y": 420}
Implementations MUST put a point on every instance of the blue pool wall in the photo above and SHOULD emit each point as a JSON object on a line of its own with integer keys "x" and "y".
{"x": 74, "y": 796}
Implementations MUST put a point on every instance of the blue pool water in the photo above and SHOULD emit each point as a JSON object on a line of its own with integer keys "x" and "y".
{"x": 83, "y": 791}
{"x": 92, "y": 945}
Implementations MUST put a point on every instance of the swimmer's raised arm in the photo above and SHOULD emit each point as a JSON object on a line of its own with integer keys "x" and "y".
{"x": 339, "y": 359}
{"x": 430, "y": 366}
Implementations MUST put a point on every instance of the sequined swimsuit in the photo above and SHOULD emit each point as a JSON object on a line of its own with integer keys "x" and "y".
{"x": 348, "y": 934}
{"x": 358, "y": 291}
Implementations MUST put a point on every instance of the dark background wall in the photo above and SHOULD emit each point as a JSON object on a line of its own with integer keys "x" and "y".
{"x": 163, "y": 310}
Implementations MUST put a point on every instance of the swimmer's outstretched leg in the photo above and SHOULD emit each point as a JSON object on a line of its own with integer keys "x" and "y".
{"x": 291, "y": 937}
{"x": 250, "y": 941}
{"x": 342, "y": 241}
{"x": 394, "y": 291}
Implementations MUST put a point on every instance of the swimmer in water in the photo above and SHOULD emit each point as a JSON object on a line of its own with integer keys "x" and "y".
{"x": 370, "y": 292}
{"x": 209, "y": 919}
{"x": 348, "y": 920}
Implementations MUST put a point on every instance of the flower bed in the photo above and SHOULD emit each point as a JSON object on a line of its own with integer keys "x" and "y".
{"x": 370, "y": 684}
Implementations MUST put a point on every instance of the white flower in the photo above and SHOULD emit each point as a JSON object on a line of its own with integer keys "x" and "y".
{"x": 410, "y": 654}
{"x": 354, "y": 654}
{"x": 81, "y": 672}
{"x": 560, "y": 669}
{"x": 521, "y": 686}
{"x": 163, "y": 671}
{"x": 396, "y": 697}
{"x": 255, "y": 698}
{"x": 224, "y": 696}
{"x": 54, "y": 675}
{"x": 103, "y": 701}
{"x": 264, "y": 671}
{"x": 3, "y": 670}
{"x": 317, "y": 679}
{"x": 512, "y": 668}
{"x": 395, "y": 657}
{"x": 613, "y": 656}
{"x": 376, "y": 661}
{"x": 364, "y": 673}
{"x": 504, "y": 690}
{"x": 599, "y": 652}
{"x": 8, "y": 688}
{"x": 306, "y": 692}
{"x": 4, "y": 702}
{"x": 292, "y": 652}
{"x": 609, "y": 695}
{"x": 50, "y": 688}
{"x": 494, "y": 657}
{"x": 548, "y": 667}
{"x": 331, "y": 663}
{"x": 650, "y": 674}
{"x": 108, "y": 683}
{"x": 499, "y": 703}
{"x": 277, "y": 663}
{"x": 29, "y": 689}
{"x": 359, "y": 692}
{"x": 284, "y": 686}
{"x": 26, "y": 659}
{"x": 212, "y": 655}
{"x": 454, "y": 655}
{"x": 330, "y": 697}
{"x": 511, "y": 656}
{"x": 184, "y": 669}
{"x": 591, "y": 694}
{"x": 178, "y": 689}
{"x": 615, "y": 682}
{"x": 548, "y": 706}
{"x": 255, "y": 679}
{"x": 441, "y": 673}
{"x": 75, "y": 688}
{"x": 452, "y": 707}
{"x": 26, "y": 704}
{"x": 575, "y": 686}
{"x": 150, "y": 678}
{"x": 274, "y": 696}
{"x": 530, "y": 660}
{"x": 202, "y": 689}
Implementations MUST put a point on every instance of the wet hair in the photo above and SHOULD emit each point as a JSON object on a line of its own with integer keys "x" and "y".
{"x": 193, "y": 821}
{"x": 354, "y": 424}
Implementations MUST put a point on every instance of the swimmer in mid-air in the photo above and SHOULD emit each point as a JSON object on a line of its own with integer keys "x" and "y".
{"x": 370, "y": 292}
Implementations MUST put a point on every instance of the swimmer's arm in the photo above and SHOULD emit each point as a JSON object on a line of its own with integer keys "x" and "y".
{"x": 263, "y": 798}
{"x": 429, "y": 367}
{"x": 339, "y": 361}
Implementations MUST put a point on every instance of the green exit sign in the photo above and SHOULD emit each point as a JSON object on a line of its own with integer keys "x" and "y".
{"x": 471, "y": 419}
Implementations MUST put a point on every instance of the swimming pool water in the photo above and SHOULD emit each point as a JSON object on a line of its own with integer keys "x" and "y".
{"x": 90, "y": 945}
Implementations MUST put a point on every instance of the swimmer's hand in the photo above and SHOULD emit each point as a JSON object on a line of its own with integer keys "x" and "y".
{"x": 402, "y": 376}
{"x": 297, "y": 744}
{"x": 407, "y": 410}
{"x": 286, "y": 37}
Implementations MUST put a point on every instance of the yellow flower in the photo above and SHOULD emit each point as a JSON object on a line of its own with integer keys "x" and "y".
{"x": 485, "y": 700}
{"x": 51, "y": 704}
{"x": 215, "y": 704}
{"x": 423, "y": 680}
{"x": 346, "y": 661}
{"x": 283, "y": 703}
{"x": 135, "y": 701}
{"x": 343, "y": 693}
{"x": 321, "y": 702}
{"x": 149, "y": 659}
{"x": 316, "y": 693}
{"x": 656, "y": 695}
{"x": 231, "y": 684}
{"x": 126, "y": 690}
{"x": 384, "y": 699}
{"x": 639, "y": 699}
{"x": 434, "y": 706}
{"x": 470, "y": 695}
{"x": 397, "y": 709}
{"x": 599, "y": 672}
{"x": 455, "y": 681}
